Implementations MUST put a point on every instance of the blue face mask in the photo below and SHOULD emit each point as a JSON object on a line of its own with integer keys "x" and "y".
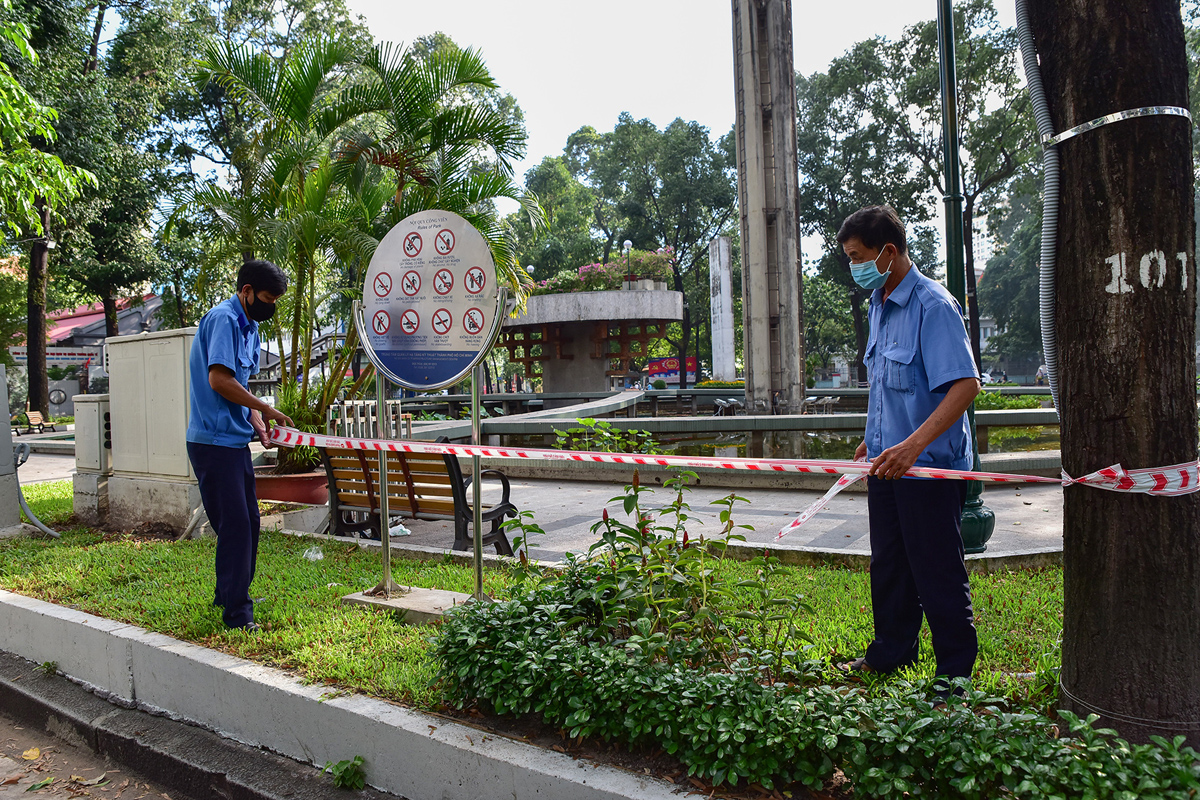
{"x": 867, "y": 274}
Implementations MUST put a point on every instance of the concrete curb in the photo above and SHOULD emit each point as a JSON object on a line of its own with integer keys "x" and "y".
{"x": 184, "y": 758}
{"x": 406, "y": 752}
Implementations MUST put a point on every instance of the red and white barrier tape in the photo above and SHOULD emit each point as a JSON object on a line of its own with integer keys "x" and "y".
{"x": 1166, "y": 481}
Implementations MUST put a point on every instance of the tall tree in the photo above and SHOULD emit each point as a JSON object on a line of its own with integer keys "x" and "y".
{"x": 64, "y": 77}
{"x": 672, "y": 188}
{"x": 1009, "y": 293}
{"x": 567, "y": 240}
{"x": 1126, "y": 285}
{"x": 995, "y": 126}
{"x": 850, "y": 155}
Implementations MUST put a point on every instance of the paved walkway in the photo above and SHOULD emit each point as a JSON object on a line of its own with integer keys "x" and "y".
{"x": 45, "y": 467}
{"x": 30, "y": 757}
{"x": 1027, "y": 517}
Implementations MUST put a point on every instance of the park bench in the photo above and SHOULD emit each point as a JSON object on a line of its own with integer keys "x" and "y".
{"x": 34, "y": 420}
{"x": 420, "y": 486}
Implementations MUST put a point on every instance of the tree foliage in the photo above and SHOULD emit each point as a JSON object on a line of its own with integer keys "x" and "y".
{"x": 851, "y": 154}
{"x": 672, "y": 188}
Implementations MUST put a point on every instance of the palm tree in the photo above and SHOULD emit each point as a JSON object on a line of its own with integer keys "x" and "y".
{"x": 342, "y": 145}
{"x": 445, "y": 151}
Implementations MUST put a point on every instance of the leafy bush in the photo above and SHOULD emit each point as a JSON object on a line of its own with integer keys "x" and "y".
{"x": 655, "y": 266}
{"x": 992, "y": 401}
{"x": 635, "y": 643}
{"x": 659, "y": 383}
{"x": 601, "y": 436}
{"x": 721, "y": 385}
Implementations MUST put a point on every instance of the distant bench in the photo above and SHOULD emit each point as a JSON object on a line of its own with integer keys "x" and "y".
{"x": 34, "y": 420}
{"x": 420, "y": 486}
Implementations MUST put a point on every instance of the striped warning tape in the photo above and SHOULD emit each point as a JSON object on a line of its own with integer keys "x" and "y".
{"x": 1165, "y": 481}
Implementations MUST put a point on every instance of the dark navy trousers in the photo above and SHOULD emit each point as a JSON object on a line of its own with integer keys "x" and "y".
{"x": 917, "y": 569}
{"x": 226, "y": 479}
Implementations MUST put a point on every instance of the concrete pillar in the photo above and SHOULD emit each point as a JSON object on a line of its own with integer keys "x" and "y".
{"x": 772, "y": 292}
{"x": 720, "y": 273}
{"x": 10, "y": 508}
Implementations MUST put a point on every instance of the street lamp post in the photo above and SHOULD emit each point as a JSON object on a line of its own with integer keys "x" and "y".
{"x": 627, "y": 246}
{"x": 978, "y": 521}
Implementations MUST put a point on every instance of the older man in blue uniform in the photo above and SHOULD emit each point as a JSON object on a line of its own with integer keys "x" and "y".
{"x": 922, "y": 378}
{"x": 225, "y": 417}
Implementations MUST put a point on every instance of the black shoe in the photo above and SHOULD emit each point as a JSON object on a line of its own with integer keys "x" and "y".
{"x": 859, "y": 665}
{"x": 249, "y": 627}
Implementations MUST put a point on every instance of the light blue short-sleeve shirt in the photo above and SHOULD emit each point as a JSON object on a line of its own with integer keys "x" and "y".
{"x": 225, "y": 337}
{"x": 917, "y": 348}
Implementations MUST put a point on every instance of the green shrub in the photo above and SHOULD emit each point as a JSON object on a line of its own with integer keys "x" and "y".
{"x": 637, "y": 643}
{"x": 721, "y": 385}
{"x": 659, "y": 383}
{"x": 601, "y": 436}
{"x": 992, "y": 401}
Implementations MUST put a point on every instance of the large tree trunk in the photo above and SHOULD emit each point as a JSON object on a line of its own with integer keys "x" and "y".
{"x": 1126, "y": 332}
{"x": 110, "y": 315}
{"x": 685, "y": 334}
{"x": 35, "y": 332}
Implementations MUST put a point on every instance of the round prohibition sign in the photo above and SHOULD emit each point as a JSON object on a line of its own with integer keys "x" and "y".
{"x": 409, "y": 322}
{"x": 443, "y": 281}
{"x": 382, "y": 284}
{"x": 441, "y": 322}
{"x": 410, "y": 284}
{"x": 443, "y": 242}
{"x": 412, "y": 244}
{"x": 473, "y": 321}
{"x": 381, "y": 322}
{"x": 476, "y": 280}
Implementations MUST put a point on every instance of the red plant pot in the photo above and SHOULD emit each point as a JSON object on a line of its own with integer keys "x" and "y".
{"x": 307, "y": 487}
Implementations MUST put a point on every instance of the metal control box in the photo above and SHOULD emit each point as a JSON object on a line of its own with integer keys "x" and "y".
{"x": 149, "y": 403}
{"x": 93, "y": 433}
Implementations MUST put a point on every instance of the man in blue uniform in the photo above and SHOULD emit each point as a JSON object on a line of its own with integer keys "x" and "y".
{"x": 224, "y": 418}
{"x": 922, "y": 378}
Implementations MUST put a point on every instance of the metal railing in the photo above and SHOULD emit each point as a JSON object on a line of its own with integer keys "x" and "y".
{"x": 358, "y": 419}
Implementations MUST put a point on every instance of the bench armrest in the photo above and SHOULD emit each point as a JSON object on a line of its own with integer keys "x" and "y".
{"x": 495, "y": 472}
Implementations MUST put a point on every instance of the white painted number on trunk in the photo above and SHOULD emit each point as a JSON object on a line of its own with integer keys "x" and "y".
{"x": 1118, "y": 284}
{"x": 1152, "y": 272}
{"x": 1154, "y": 257}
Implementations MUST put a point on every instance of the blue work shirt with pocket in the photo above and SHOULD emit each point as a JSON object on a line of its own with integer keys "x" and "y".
{"x": 228, "y": 338}
{"x": 917, "y": 349}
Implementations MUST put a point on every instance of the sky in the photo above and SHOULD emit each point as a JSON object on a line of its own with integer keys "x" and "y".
{"x": 571, "y": 63}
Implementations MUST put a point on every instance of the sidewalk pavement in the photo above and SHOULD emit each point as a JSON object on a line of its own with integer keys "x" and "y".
{"x": 1028, "y": 517}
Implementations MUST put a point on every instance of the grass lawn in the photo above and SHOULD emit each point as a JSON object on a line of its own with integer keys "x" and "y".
{"x": 167, "y": 587}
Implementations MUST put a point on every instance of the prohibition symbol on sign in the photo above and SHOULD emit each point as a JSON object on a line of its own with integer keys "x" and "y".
{"x": 441, "y": 321}
{"x": 409, "y": 322}
{"x": 473, "y": 321}
{"x": 443, "y": 281}
{"x": 381, "y": 322}
{"x": 476, "y": 280}
{"x": 382, "y": 284}
{"x": 412, "y": 244}
{"x": 410, "y": 284}
{"x": 444, "y": 242}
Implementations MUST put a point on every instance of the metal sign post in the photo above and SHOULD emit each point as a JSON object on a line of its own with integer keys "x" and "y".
{"x": 477, "y": 481}
{"x": 386, "y": 587}
{"x": 431, "y": 310}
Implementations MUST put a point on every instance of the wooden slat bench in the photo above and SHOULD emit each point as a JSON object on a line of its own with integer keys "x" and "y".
{"x": 420, "y": 486}
{"x": 35, "y": 420}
